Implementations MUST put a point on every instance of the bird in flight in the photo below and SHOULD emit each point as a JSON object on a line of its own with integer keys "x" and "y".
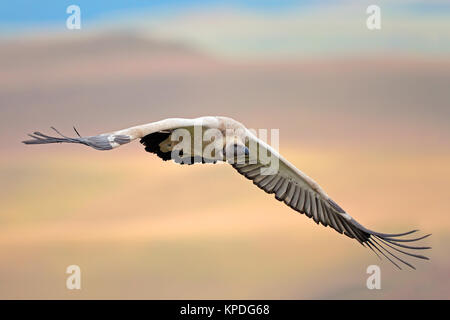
{"x": 230, "y": 141}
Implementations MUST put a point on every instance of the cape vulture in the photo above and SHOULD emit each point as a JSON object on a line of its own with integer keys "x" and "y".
{"x": 286, "y": 182}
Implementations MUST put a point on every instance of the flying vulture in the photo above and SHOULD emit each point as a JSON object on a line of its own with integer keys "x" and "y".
{"x": 232, "y": 142}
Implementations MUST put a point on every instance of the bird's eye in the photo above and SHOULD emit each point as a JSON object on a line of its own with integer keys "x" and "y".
{"x": 240, "y": 150}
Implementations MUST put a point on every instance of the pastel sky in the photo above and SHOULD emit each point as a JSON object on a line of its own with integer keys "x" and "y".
{"x": 252, "y": 28}
{"x": 372, "y": 131}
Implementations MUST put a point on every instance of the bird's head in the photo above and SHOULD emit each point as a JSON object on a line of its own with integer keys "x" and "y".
{"x": 235, "y": 151}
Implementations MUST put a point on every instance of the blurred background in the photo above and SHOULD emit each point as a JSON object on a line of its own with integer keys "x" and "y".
{"x": 364, "y": 112}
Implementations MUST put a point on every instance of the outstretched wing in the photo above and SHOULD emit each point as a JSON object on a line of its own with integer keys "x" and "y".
{"x": 304, "y": 195}
{"x": 108, "y": 141}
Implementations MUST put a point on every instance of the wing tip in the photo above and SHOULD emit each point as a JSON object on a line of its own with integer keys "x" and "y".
{"x": 393, "y": 243}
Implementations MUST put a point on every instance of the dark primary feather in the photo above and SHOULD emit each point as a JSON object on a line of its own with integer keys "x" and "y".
{"x": 100, "y": 142}
{"x": 40, "y": 138}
